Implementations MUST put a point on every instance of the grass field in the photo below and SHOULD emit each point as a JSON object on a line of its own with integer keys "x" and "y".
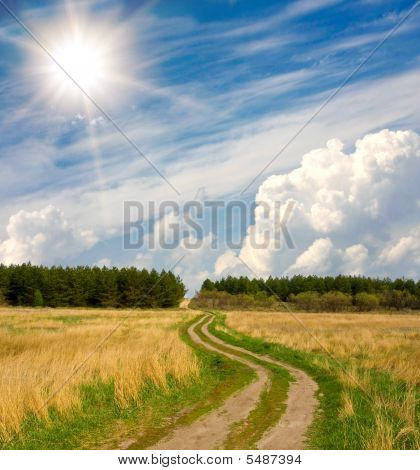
{"x": 373, "y": 360}
{"x": 40, "y": 351}
{"x": 74, "y": 378}
{"x": 389, "y": 342}
{"x": 58, "y": 390}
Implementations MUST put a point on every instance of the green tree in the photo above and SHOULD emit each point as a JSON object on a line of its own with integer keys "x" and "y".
{"x": 38, "y": 299}
{"x": 398, "y": 299}
{"x": 208, "y": 285}
{"x": 2, "y": 298}
{"x": 366, "y": 302}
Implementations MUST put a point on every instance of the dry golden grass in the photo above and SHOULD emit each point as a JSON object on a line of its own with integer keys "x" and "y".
{"x": 389, "y": 343}
{"x": 41, "y": 349}
{"x": 386, "y": 342}
{"x": 347, "y": 407}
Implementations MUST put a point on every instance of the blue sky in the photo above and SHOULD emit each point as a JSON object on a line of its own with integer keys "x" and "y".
{"x": 209, "y": 91}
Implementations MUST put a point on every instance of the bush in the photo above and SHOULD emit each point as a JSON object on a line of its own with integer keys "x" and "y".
{"x": 365, "y": 301}
{"x": 263, "y": 300}
{"x": 309, "y": 301}
{"x": 210, "y": 299}
{"x": 398, "y": 299}
{"x": 38, "y": 299}
{"x": 223, "y": 300}
{"x": 335, "y": 301}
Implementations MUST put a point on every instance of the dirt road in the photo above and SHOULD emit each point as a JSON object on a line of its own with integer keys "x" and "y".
{"x": 211, "y": 430}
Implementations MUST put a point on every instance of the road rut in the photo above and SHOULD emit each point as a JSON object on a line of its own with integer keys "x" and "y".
{"x": 211, "y": 430}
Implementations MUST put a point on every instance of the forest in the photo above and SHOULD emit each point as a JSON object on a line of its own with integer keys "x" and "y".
{"x": 313, "y": 293}
{"x": 83, "y": 286}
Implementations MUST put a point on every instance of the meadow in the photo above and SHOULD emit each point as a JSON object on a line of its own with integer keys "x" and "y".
{"x": 374, "y": 358}
{"x": 106, "y": 378}
{"x": 48, "y": 355}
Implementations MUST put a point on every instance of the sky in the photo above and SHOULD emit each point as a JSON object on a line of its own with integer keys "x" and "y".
{"x": 186, "y": 100}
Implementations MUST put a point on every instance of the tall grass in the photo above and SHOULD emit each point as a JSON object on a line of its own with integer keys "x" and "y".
{"x": 41, "y": 351}
{"x": 378, "y": 365}
{"x": 386, "y": 342}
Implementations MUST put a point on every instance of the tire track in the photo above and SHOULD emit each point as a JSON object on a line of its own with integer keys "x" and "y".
{"x": 301, "y": 403}
{"x": 211, "y": 430}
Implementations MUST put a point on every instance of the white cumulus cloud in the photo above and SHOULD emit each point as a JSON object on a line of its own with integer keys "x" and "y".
{"x": 403, "y": 252}
{"x": 315, "y": 260}
{"x": 43, "y": 236}
{"x": 355, "y": 212}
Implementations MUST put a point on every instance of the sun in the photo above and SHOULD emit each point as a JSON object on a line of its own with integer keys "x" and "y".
{"x": 81, "y": 61}
{"x": 78, "y": 60}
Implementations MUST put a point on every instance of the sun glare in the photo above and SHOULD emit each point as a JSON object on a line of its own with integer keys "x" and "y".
{"x": 82, "y": 61}
{"x": 84, "y": 52}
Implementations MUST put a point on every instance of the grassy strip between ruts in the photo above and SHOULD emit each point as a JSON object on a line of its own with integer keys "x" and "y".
{"x": 370, "y": 423}
{"x": 100, "y": 423}
{"x": 272, "y": 403}
{"x": 271, "y": 406}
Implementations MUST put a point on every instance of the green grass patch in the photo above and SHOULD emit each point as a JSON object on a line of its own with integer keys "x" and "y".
{"x": 272, "y": 404}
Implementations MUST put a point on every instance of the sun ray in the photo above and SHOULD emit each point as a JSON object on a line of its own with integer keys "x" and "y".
{"x": 80, "y": 55}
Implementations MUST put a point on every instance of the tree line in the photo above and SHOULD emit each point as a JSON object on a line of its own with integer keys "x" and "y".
{"x": 316, "y": 293}
{"x": 84, "y": 286}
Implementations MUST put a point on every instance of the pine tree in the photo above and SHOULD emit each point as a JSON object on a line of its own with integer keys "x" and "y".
{"x": 93, "y": 287}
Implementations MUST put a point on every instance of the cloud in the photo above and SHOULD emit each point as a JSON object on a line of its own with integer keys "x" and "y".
{"x": 315, "y": 260}
{"x": 354, "y": 259}
{"x": 43, "y": 236}
{"x": 355, "y": 213}
{"x": 323, "y": 258}
{"x": 226, "y": 262}
{"x": 104, "y": 263}
{"x": 304, "y": 7}
{"x": 171, "y": 245}
{"x": 403, "y": 251}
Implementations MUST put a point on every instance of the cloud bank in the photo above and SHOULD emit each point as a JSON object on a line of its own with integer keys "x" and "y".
{"x": 355, "y": 213}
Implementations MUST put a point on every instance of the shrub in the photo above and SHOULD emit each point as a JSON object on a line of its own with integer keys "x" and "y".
{"x": 263, "y": 300}
{"x": 365, "y": 301}
{"x": 210, "y": 299}
{"x": 223, "y": 300}
{"x": 335, "y": 301}
{"x": 398, "y": 299}
{"x": 307, "y": 301}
